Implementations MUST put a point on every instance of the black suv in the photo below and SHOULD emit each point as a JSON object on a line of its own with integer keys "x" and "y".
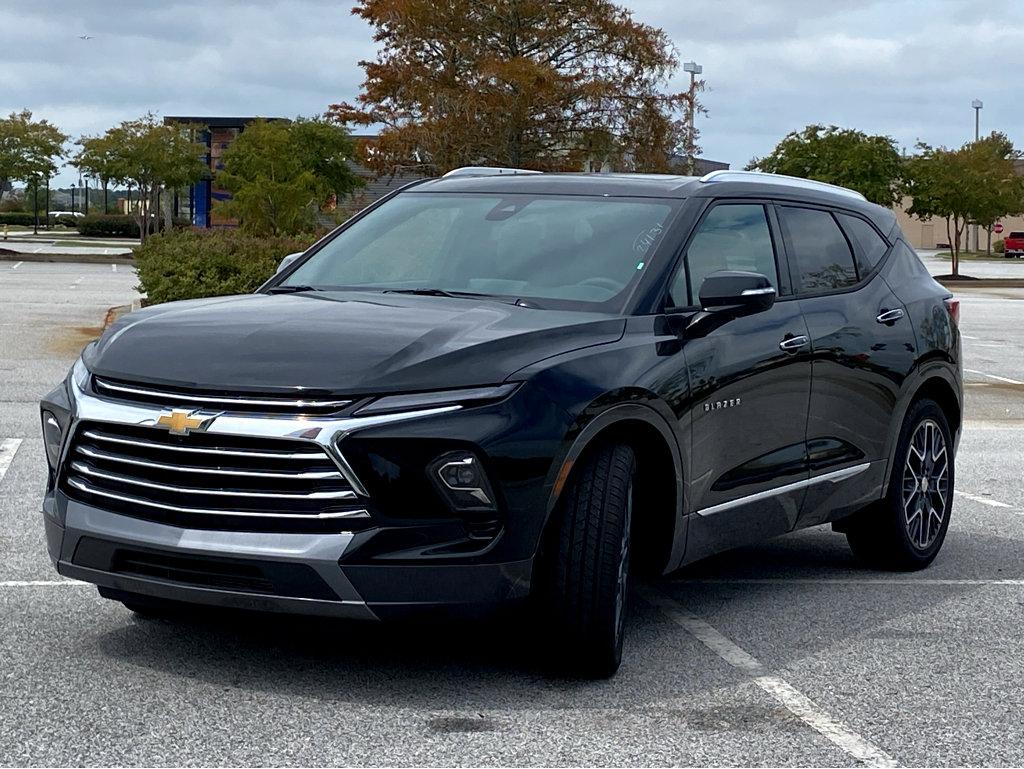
{"x": 499, "y": 385}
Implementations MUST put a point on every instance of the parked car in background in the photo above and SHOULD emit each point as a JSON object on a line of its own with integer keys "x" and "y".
{"x": 1013, "y": 245}
{"x": 494, "y": 387}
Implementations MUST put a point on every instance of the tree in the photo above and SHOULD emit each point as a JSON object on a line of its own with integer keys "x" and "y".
{"x": 522, "y": 83}
{"x": 29, "y": 149}
{"x": 871, "y": 165}
{"x": 280, "y": 173}
{"x": 149, "y": 155}
{"x": 974, "y": 183}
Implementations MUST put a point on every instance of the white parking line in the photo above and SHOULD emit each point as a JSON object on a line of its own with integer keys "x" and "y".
{"x": 16, "y": 265}
{"x": 113, "y": 268}
{"x": 75, "y": 284}
{"x": 983, "y": 500}
{"x": 42, "y": 583}
{"x": 994, "y": 376}
{"x": 8, "y": 448}
{"x": 789, "y": 696}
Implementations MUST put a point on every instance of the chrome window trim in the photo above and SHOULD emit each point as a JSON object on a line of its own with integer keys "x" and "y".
{"x": 832, "y": 477}
{"x": 326, "y": 432}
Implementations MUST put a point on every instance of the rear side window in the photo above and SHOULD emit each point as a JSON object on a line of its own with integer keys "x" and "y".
{"x": 819, "y": 250}
{"x": 869, "y": 247}
{"x": 733, "y": 236}
{"x": 1016, "y": 235}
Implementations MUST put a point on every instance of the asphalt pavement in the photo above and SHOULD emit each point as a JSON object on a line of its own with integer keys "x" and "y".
{"x": 786, "y": 653}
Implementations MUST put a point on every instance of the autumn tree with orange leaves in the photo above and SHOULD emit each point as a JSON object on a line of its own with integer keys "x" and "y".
{"x": 544, "y": 84}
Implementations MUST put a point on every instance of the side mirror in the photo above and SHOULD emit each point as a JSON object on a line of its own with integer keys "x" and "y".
{"x": 736, "y": 293}
{"x": 286, "y": 261}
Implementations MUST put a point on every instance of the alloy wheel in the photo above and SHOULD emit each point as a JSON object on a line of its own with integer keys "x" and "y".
{"x": 925, "y": 484}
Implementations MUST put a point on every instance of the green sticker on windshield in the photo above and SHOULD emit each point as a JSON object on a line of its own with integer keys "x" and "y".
{"x": 640, "y": 265}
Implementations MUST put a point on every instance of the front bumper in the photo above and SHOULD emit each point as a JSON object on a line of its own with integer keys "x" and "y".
{"x": 292, "y": 573}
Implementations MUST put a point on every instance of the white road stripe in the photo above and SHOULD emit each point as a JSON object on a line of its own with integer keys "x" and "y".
{"x": 16, "y": 265}
{"x": 42, "y": 583}
{"x": 994, "y": 376}
{"x": 8, "y": 448}
{"x": 75, "y": 284}
{"x": 964, "y": 336}
{"x": 113, "y": 268}
{"x": 983, "y": 500}
{"x": 844, "y": 581}
{"x": 789, "y": 696}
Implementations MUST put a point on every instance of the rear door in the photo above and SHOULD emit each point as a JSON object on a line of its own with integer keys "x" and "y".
{"x": 862, "y": 347}
{"x": 750, "y": 386}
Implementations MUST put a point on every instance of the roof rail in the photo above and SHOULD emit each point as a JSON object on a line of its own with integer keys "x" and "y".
{"x": 488, "y": 171}
{"x": 781, "y": 180}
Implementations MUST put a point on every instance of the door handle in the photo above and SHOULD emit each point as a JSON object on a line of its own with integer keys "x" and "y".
{"x": 889, "y": 316}
{"x": 792, "y": 343}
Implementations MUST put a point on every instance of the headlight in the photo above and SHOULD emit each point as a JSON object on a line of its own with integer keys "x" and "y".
{"x": 80, "y": 374}
{"x": 52, "y": 437}
{"x": 469, "y": 396}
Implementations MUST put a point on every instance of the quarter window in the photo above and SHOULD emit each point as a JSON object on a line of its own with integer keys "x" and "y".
{"x": 869, "y": 247}
{"x": 731, "y": 237}
{"x": 820, "y": 250}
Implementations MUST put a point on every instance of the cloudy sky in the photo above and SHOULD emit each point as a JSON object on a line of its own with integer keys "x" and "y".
{"x": 905, "y": 68}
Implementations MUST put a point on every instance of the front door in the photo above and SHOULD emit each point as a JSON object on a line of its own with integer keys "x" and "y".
{"x": 750, "y": 384}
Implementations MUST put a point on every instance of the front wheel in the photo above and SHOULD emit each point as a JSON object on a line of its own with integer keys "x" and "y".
{"x": 587, "y": 567}
{"x": 906, "y": 529}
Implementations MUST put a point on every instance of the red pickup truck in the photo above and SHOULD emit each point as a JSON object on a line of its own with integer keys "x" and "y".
{"x": 1014, "y": 245}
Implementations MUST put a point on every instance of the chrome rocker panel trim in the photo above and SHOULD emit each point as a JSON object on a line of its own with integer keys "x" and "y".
{"x": 833, "y": 477}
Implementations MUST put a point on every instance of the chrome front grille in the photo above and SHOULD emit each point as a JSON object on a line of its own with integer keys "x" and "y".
{"x": 216, "y": 401}
{"x": 207, "y": 480}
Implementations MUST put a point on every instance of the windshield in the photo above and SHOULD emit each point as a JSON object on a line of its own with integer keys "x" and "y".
{"x": 558, "y": 251}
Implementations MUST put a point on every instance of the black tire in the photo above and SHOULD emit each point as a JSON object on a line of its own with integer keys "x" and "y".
{"x": 587, "y": 579}
{"x": 892, "y": 534}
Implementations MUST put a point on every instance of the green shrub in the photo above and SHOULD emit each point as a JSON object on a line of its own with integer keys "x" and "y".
{"x": 108, "y": 225}
{"x": 999, "y": 246}
{"x": 65, "y": 221}
{"x": 190, "y": 264}
{"x": 20, "y": 218}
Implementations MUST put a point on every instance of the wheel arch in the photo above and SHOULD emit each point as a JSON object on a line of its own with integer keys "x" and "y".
{"x": 934, "y": 380}
{"x": 660, "y": 484}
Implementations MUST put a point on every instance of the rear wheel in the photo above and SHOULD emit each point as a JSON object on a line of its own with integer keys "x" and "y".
{"x": 587, "y": 563}
{"x": 905, "y": 531}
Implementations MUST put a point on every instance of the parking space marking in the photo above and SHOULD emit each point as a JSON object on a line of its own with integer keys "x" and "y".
{"x": 994, "y": 376}
{"x": 785, "y": 693}
{"x": 42, "y": 583}
{"x": 16, "y": 265}
{"x": 75, "y": 284}
{"x": 983, "y": 500}
{"x": 8, "y": 448}
{"x": 113, "y": 268}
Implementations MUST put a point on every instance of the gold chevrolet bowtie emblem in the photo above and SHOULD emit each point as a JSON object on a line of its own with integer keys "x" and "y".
{"x": 181, "y": 422}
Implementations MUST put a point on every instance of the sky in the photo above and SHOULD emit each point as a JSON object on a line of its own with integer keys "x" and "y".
{"x": 905, "y": 68}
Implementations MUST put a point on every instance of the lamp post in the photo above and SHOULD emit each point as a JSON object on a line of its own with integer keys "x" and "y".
{"x": 976, "y": 105}
{"x": 694, "y": 69}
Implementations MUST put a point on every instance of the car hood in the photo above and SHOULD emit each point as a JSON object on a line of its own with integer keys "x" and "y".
{"x": 339, "y": 342}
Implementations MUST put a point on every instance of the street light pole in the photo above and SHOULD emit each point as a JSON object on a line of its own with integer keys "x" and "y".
{"x": 976, "y": 105}
{"x": 694, "y": 69}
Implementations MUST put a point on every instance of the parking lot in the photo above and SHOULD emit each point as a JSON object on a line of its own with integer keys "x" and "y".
{"x": 787, "y": 653}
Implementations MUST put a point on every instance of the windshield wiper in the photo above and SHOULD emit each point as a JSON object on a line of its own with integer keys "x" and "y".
{"x": 290, "y": 289}
{"x": 428, "y": 292}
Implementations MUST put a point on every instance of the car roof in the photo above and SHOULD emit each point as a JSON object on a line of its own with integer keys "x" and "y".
{"x": 718, "y": 184}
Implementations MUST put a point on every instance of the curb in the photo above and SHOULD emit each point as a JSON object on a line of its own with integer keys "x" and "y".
{"x": 14, "y": 256}
{"x": 983, "y": 283}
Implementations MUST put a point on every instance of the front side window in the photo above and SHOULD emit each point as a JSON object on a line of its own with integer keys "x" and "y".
{"x": 573, "y": 252}
{"x": 732, "y": 236}
{"x": 822, "y": 255}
